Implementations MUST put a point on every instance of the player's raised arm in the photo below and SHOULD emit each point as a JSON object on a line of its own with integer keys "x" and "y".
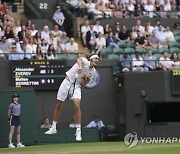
{"x": 80, "y": 64}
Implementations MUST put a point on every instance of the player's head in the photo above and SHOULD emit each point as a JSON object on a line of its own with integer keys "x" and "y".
{"x": 15, "y": 97}
{"x": 94, "y": 59}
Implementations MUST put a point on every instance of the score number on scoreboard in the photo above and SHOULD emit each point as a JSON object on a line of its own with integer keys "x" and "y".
{"x": 175, "y": 82}
{"x": 40, "y": 74}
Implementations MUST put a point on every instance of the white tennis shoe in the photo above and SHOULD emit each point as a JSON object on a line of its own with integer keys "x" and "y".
{"x": 52, "y": 130}
{"x": 78, "y": 135}
{"x": 20, "y": 145}
{"x": 11, "y": 146}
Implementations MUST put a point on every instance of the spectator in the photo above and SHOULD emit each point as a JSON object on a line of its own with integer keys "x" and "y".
{"x": 160, "y": 34}
{"x": 91, "y": 36}
{"x": 14, "y": 55}
{"x": 107, "y": 11}
{"x": 117, "y": 27}
{"x": 90, "y": 9}
{"x": 84, "y": 29}
{"x": 140, "y": 27}
{"x": 44, "y": 46}
{"x": 111, "y": 42}
{"x": 150, "y": 61}
{"x": 141, "y": 41}
{"x": 125, "y": 63}
{"x": 74, "y": 6}
{"x": 64, "y": 39}
{"x": 130, "y": 7}
{"x": 138, "y": 63}
{"x": 138, "y": 7}
{"x": 167, "y": 5}
{"x": 33, "y": 30}
{"x": 25, "y": 53}
{"x": 51, "y": 53}
{"x": 146, "y": 33}
{"x": 22, "y": 33}
{"x": 98, "y": 28}
{"x": 72, "y": 46}
{"x": 175, "y": 61}
{"x": 124, "y": 34}
{"x": 45, "y": 33}
{"x": 169, "y": 36}
{"x": 96, "y": 123}
{"x": 17, "y": 27}
{"x": 165, "y": 62}
{"x": 59, "y": 18}
{"x": 59, "y": 47}
{"x": 107, "y": 29}
{"x": 134, "y": 33}
{"x": 37, "y": 38}
{"x": 8, "y": 33}
{"x": 39, "y": 55}
{"x": 52, "y": 39}
{"x": 156, "y": 28}
{"x": 149, "y": 7}
{"x": 18, "y": 44}
{"x": 100, "y": 43}
{"x": 46, "y": 123}
{"x": 28, "y": 24}
{"x": 148, "y": 24}
{"x": 4, "y": 45}
{"x": 56, "y": 31}
{"x": 153, "y": 40}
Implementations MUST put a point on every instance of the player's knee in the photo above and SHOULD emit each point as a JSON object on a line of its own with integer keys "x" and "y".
{"x": 58, "y": 105}
{"x": 77, "y": 106}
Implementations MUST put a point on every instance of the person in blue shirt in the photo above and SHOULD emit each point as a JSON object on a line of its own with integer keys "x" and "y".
{"x": 14, "y": 55}
{"x": 125, "y": 62}
{"x": 14, "y": 112}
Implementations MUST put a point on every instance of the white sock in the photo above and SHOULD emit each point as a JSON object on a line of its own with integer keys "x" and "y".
{"x": 54, "y": 124}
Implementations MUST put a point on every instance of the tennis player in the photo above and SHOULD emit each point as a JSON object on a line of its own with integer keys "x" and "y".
{"x": 14, "y": 121}
{"x": 70, "y": 88}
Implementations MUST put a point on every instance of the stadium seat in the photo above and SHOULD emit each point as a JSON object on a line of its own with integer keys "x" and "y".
{"x": 131, "y": 44}
{"x": 118, "y": 51}
{"x": 174, "y": 49}
{"x": 154, "y": 50}
{"x": 174, "y": 44}
{"x": 112, "y": 133}
{"x": 177, "y": 38}
{"x": 62, "y": 56}
{"x": 141, "y": 50}
{"x": 73, "y": 56}
{"x": 176, "y": 32}
{"x": 129, "y": 50}
{"x": 157, "y": 55}
{"x": 161, "y": 50}
{"x": 113, "y": 56}
{"x": 105, "y": 52}
{"x": 122, "y": 44}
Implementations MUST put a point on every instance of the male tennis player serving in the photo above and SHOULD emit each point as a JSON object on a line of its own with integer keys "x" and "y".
{"x": 71, "y": 88}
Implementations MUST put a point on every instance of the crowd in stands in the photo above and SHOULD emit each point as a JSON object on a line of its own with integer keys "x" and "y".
{"x": 26, "y": 42}
{"x": 125, "y": 8}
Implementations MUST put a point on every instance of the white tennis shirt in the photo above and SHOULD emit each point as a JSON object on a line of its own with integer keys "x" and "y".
{"x": 85, "y": 70}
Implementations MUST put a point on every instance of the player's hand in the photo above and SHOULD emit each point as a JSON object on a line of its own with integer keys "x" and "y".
{"x": 79, "y": 70}
{"x": 85, "y": 79}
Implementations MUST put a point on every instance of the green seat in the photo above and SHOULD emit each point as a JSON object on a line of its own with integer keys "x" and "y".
{"x": 177, "y": 38}
{"x": 113, "y": 56}
{"x": 131, "y": 44}
{"x": 176, "y": 32}
{"x": 161, "y": 50}
{"x": 105, "y": 52}
{"x": 157, "y": 55}
{"x": 174, "y": 49}
{"x": 118, "y": 51}
{"x": 62, "y": 56}
{"x": 112, "y": 132}
{"x": 174, "y": 44}
{"x": 73, "y": 56}
{"x": 141, "y": 50}
{"x": 122, "y": 44}
{"x": 154, "y": 50}
{"x": 129, "y": 50}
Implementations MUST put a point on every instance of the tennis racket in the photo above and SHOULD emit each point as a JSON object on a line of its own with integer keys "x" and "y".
{"x": 70, "y": 94}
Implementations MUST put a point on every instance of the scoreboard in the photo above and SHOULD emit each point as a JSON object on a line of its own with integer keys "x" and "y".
{"x": 175, "y": 82}
{"x": 39, "y": 74}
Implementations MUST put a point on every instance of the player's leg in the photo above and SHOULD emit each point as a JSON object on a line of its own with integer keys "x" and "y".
{"x": 77, "y": 118}
{"x": 18, "y": 134}
{"x": 11, "y": 132}
{"x": 56, "y": 116}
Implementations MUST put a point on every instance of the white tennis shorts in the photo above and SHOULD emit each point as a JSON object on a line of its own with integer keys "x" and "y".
{"x": 64, "y": 88}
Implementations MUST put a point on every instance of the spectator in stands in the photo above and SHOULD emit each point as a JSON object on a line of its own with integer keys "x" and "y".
{"x": 101, "y": 5}
{"x": 134, "y": 32}
{"x": 175, "y": 61}
{"x": 160, "y": 33}
{"x": 45, "y": 33}
{"x": 91, "y": 36}
{"x": 100, "y": 43}
{"x": 98, "y": 14}
{"x": 153, "y": 40}
{"x": 25, "y": 53}
{"x": 84, "y": 29}
{"x": 37, "y": 38}
{"x": 169, "y": 36}
{"x": 124, "y": 34}
{"x": 107, "y": 11}
{"x": 8, "y": 33}
{"x": 17, "y": 27}
{"x": 98, "y": 28}
{"x": 138, "y": 7}
{"x": 165, "y": 62}
{"x": 52, "y": 39}
{"x": 74, "y": 7}
{"x": 96, "y": 123}
{"x": 125, "y": 62}
{"x": 117, "y": 28}
{"x": 72, "y": 46}
{"x": 138, "y": 63}
{"x": 13, "y": 55}
{"x": 59, "y": 18}
{"x": 118, "y": 13}
{"x": 130, "y": 8}
{"x": 59, "y": 47}
{"x": 64, "y": 39}
{"x": 107, "y": 29}
{"x": 149, "y": 7}
{"x": 167, "y": 5}
{"x": 51, "y": 53}
{"x": 18, "y": 44}
{"x": 141, "y": 41}
{"x": 148, "y": 24}
{"x": 22, "y": 33}
{"x": 2, "y": 55}
{"x": 39, "y": 55}
{"x": 56, "y": 31}
{"x": 111, "y": 42}
{"x": 4, "y": 45}
{"x": 33, "y": 30}
{"x": 46, "y": 123}
{"x": 1, "y": 31}
{"x": 90, "y": 9}
{"x": 28, "y": 24}
{"x": 156, "y": 28}
{"x": 44, "y": 46}
{"x": 150, "y": 61}
{"x": 140, "y": 27}
{"x": 146, "y": 33}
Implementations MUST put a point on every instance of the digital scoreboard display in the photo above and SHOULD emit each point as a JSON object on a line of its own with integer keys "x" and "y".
{"x": 39, "y": 74}
{"x": 175, "y": 82}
